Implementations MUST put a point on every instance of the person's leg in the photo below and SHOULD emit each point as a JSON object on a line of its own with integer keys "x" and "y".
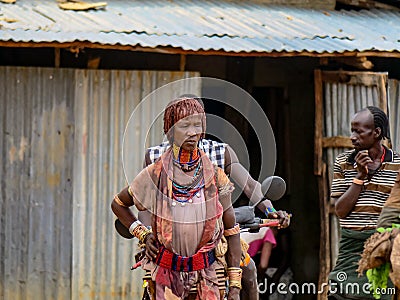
{"x": 249, "y": 282}
{"x": 264, "y": 260}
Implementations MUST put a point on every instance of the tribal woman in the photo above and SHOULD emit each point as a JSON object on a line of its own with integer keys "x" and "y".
{"x": 190, "y": 202}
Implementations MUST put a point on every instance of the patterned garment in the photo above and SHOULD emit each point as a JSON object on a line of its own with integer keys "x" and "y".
{"x": 157, "y": 177}
{"x": 214, "y": 150}
{"x": 376, "y": 191}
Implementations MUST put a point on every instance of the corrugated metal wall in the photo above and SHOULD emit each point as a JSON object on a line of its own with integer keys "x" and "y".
{"x": 394, "y": 113}
{"x": 36, "y": 183}
{"x": 61, "y": 146}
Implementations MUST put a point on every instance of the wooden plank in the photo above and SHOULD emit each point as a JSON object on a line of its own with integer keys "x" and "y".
{"x": 182, "y": 63}
{"x": 353, "y": 78}
{"x": 318, "y": 123}
{"x": 172, "y": 50}
{"x": 57, "y": 56}
{"x": 324, "y": 247}
{"x": 360, "y": 62}
{"x": 368, "y": 4}
{"x": 382, "y": 85}
{"x": 336, "y": 142}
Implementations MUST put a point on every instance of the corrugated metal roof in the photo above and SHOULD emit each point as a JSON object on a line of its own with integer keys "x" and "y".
{"x": 203, "y": 25}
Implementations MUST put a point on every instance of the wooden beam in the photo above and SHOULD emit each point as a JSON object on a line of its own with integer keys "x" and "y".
{"x": 368, "y": 4}
{"x": 318, "y": 122}
{"x": 336, "y": 142}
{"x": 177, "y": 50}
{"x": 325, "y": 241}
{"x": 382, "y": 86}
{"x": 93, "y": 62}
{"x": 182, "y": 63}
{"x": 360, "y": 62}
{"x": 57, "y": 57}
{"x": 353, "y": 78}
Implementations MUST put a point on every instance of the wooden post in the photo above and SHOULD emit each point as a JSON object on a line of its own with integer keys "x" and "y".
{"x": 182, "y": 63}
{"x": 325, "y": 244}
{"x": 57, "y": 57}
{"x": 318, "y": 123}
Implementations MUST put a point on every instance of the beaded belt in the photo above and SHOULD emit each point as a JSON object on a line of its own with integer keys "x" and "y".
{"x": 172, "y": 261}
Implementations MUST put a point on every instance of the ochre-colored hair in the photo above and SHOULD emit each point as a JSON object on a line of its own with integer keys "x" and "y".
{"x": 181, "y": 108}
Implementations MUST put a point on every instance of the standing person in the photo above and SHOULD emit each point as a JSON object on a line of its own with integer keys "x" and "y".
{"x": 222, "y": 155}
{"x": 190, "y": 202}
{"x": 362, "y": 181}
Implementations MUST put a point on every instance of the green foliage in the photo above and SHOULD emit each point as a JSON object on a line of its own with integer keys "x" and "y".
{"x": 378, "y": 278}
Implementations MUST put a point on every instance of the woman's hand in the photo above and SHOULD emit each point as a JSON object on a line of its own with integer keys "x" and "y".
{"x": 151, "y": 246}
{"x": 234, "y": 293}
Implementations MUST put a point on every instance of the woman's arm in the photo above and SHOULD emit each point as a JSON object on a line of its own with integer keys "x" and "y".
{"x": 234, "y": 251}
{"x": 121, "y": 207}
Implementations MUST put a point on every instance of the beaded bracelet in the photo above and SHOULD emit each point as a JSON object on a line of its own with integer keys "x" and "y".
{"x": 138, "y": 230}
{"x": 270, "y": 210}
{"x": 134, "y": 225}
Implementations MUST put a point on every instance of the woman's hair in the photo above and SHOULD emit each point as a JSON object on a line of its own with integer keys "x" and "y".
{"x": 380, "y": 120}
{"x": 181, "y": 108}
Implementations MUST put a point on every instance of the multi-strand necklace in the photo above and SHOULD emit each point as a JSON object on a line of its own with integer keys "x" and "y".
{"x": 186, "y": 160}
{"x": 184, "y": 193}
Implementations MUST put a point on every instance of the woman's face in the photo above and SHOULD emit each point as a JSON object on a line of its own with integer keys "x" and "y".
{"x": 187, "y": 132}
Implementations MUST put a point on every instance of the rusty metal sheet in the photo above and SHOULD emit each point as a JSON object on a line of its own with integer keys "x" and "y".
{"x": 36, "y": 191}
{"x": 61, "y": 148}
{"x": 105, "y": 99}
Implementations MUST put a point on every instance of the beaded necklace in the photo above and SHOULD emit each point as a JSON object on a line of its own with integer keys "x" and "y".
{"x": 185, "y": 193}
{"x": 186, "y": 160}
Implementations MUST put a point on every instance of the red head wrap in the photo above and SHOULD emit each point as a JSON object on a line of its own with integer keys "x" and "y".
{"x": 179, "y": 109}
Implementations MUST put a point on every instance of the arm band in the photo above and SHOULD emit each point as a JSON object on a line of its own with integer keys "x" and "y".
{"x": 358, "y": 181}
{"x": 130, "y": 192}
{"x": 232, "y": 231}
{"x": 119, "y": 202}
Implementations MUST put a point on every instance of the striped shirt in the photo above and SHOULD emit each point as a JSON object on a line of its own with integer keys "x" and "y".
{"x": 214, "y": 150}
{"x": 374, "y": 194}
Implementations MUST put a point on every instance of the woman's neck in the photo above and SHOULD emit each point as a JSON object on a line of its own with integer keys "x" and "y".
{"x": 184, "y": 156}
